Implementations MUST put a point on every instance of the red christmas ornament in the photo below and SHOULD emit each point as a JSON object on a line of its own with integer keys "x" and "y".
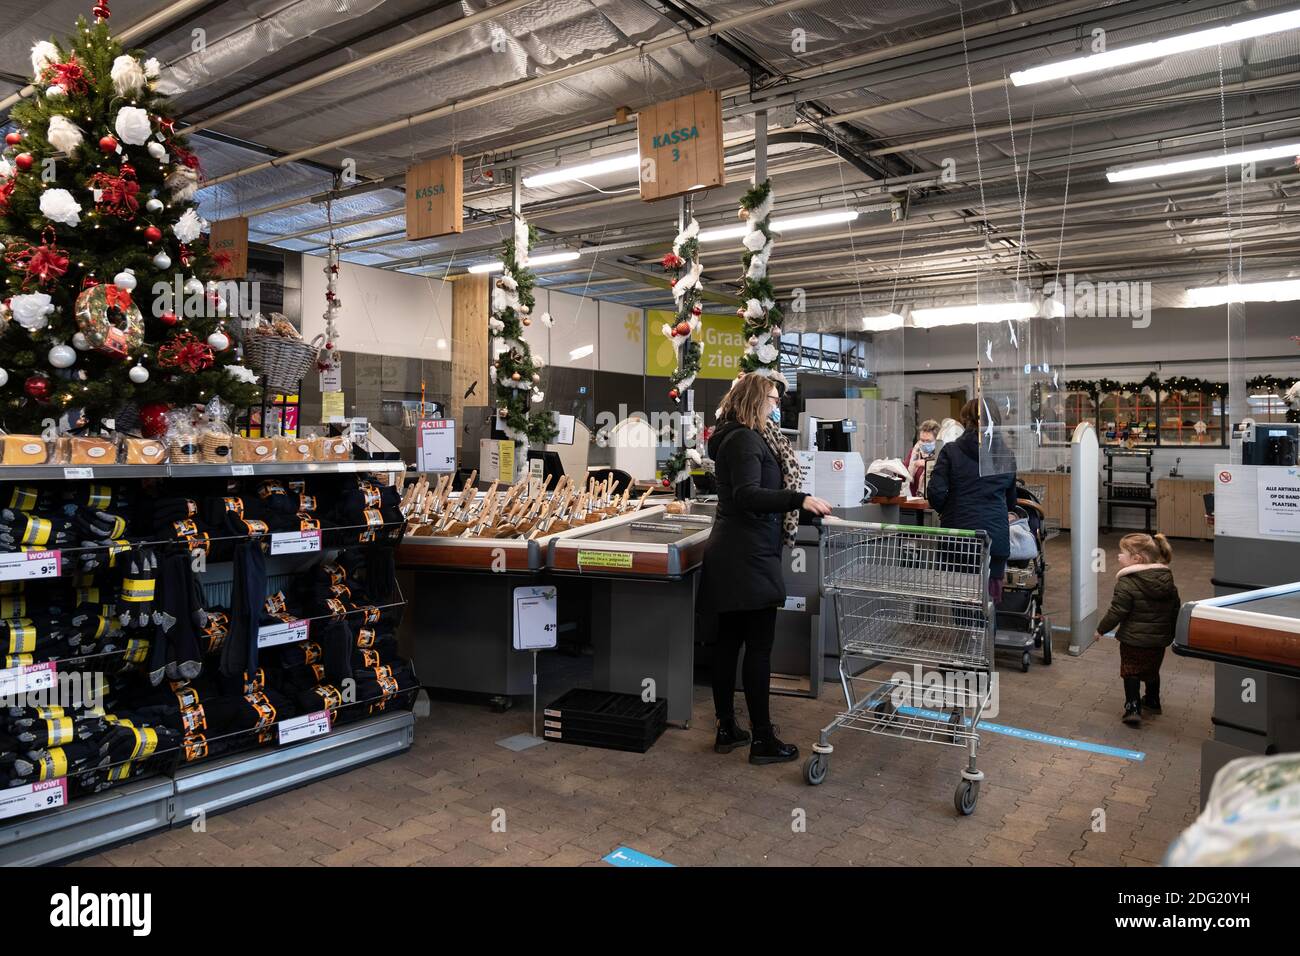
{"x": 169, "y": 318}
{"x": 696, "y": 310}
{"x": 108, "y": 144}
{"x": 673, "y": 393}
{"x": 13, "y": 138}
{"x": 152, "y": 234}
{"x": 38, "y": 387}
{"x": 672, "y": 261}
{"x": 683, "y": 328}
{"x": 23, "y": 161}
{"x": 100, "y": 10}
{"x": 667, "y": 483}
{"x": 6, "y": 193}
{"x": 153, "y": 419}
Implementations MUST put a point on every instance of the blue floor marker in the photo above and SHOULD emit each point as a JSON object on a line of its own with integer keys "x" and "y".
{"x": 624, "y": 856}
{"x": 1034, "y": 736}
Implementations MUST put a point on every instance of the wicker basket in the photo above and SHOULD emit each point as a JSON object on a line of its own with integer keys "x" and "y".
{"x": 283, "y": 362}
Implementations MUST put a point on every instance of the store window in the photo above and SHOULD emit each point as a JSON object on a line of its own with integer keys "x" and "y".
{"x": 1127, "y": 417}
{"x": 1190, "y": 417}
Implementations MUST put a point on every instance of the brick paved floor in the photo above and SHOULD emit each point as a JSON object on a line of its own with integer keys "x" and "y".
{"x": 883, "y": 802}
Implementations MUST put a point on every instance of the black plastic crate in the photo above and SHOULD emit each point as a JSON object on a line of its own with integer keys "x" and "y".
{"x": 605, "y": 719}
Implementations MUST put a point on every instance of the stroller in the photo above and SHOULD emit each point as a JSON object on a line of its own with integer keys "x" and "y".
{"x": 1021, "y": 624}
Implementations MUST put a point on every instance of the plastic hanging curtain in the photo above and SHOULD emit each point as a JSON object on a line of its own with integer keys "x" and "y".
{"x": 1020, "y": 387}
{"x": 1238, "y": 394}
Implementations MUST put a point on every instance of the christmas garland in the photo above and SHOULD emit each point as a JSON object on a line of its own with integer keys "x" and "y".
{"x": 684, "y": 264}
{"x": 759, "y": 311}
{"x": 1152, "y": 383}
{"x": 516, "y": 372}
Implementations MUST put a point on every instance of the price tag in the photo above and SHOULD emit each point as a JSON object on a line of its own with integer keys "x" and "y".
{"x": 795, "y": 603}
{"x": 534, "y": 618}
{"x": 74, "y": 474}
{"x": 45, "y": 795}
{"x": 295, "y": 542}
{"x": 273, "y": 635}
{"x": 438, "y": 445}
{"x": 26, "y": 680}
{"x": 536, "y": 468}
{"x": 305, "y": 727}
{"x": 241, "y": 470}
{"x": 25, "y": 565}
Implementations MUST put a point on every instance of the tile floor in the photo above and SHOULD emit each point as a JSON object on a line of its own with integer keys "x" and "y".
{"x": 883, "y": 802}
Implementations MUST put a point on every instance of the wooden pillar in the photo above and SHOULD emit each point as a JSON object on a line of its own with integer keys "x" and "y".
{"x": 470, "y": 301}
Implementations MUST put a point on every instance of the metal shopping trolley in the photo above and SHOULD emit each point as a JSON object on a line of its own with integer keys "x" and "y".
{"x": 915, "y": 597}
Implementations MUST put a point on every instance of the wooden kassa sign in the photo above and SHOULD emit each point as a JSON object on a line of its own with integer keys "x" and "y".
{"x": 433, "y": 198}
{"x": 681, "y": 145}
{"x": 228, "y": 243}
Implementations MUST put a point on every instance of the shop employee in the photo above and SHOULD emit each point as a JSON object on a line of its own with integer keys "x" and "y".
{"x": 758, "y": 512}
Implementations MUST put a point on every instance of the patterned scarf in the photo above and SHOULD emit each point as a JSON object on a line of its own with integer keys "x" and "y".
{"x": 789, "y": 475}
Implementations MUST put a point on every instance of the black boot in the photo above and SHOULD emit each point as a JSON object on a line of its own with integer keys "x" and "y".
{"x": 1132, "y": 713}
{"x": 729, "y": 736}
{"x": 768, "y": 748}
{"x": 1151, "y": 704}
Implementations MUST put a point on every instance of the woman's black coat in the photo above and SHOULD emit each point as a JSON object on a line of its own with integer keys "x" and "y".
{"x": 742, "y": 567}
{"x": 966, "y": 499}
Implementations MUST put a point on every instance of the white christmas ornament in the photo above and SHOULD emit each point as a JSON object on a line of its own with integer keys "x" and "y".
{"x": 44, "y": 53}
{"x": 7, "y": 168}
{"x": 138, "y": 374}
{"x": 189, "y": 227}
{"x": 154, "y": 205}
{"x": 152, "y": 68}
{"x": 61, "y": 356}
{"x": 128, "y": 75}
{"x": 80, "y": 342}
{"x": 4, "y": 378}
{"x": 218, "y": 341}
{"x": 57, "y": 205}
{"x": 158, "y": 151}
{"x": 32, "y": 311}
{"x": 55, "y": 91}
{"x": 132, "y": 125}
{"x": 162, "y": 261}
{"x": 64, "y": 135}
{"x": 125, "y": 280}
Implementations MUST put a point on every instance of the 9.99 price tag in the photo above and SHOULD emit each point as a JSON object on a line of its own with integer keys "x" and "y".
{"x": 28, "y": 565}
{"x": 46, "y": 795}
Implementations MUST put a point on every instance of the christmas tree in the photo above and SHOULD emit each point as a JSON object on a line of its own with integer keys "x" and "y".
{"x": 515, "y": 370}
{"x": 100, "y": 233}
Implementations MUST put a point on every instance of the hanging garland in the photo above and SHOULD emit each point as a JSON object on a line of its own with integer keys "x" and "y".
{"x": 684, "y": 264}
{"x": 1152, "y": 383}
{"x": 330, "y": 358}
{"x": 759, "y": 311}
{"x": 515, "y": 371}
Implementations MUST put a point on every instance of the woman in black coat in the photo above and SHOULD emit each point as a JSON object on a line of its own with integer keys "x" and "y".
{"x": 966, "y": 499}
{"x": 758, "y": 512}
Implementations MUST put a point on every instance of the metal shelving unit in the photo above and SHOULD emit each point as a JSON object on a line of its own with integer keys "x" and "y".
{"x": 1138, "y": 491}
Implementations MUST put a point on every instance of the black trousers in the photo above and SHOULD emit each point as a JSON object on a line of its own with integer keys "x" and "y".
{"x": 756, "y": 630}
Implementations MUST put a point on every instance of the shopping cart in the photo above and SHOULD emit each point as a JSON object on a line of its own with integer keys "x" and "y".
{"x": 917, "y": 597}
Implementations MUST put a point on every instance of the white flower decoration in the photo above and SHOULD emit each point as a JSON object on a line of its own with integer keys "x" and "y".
{"x": 43, "y": 54}
{"x": 755, "y": 240}
{"x": 189, "y": 227}
{"x": 57, "y": 205}
{"x": 538, "y": 396}
{"x": 133, "y": 125}
{"x": 668, "y": 331}
{"x": 241, "y": 373}
{"x": 128, "y": 77}
{"x": 6, "y": 168}
{"x": 152, "y": 68}
{"x": 64, "y": 135}
{"x": 32, "y": 311}
{"x": 766, "y": 353}
{"x": 547, "y": 320}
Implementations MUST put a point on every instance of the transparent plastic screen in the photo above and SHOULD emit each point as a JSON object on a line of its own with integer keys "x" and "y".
{"x": 1020, "y": 379}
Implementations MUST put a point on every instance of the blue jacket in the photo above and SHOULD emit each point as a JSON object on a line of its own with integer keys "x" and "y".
{"x": 965, "y": 499}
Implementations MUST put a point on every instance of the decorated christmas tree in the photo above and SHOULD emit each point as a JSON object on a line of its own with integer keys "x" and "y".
{"x": 108, "y": 304}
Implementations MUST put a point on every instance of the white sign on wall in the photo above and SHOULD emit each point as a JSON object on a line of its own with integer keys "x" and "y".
{"x": 1278, "y": 500}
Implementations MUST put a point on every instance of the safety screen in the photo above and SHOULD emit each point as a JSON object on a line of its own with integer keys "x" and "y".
{"x": 1020, "y": 385}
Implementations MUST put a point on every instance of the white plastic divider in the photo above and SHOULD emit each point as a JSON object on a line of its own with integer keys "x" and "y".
{"x": 1083, "y": 537}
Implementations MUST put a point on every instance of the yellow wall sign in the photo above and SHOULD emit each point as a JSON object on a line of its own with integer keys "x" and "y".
{"x": 721, "y": 335}
{"x": 604, "y": 559}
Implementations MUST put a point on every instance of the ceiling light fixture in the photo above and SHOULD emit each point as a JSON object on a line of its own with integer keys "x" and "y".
{"x": 543, "y": 260}
{"x": 1283, "y": 291}
{"x": 882, "y": 323}
{"x": 1157, "y": 49}
{"x": 1191, "y": 164}
{"x": 783, "y": 225}
{"x": 970, "y": 314}
{"x": 601, "y": 166}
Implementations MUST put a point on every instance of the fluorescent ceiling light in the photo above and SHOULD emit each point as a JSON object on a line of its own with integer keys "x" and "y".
{"x": 582, "y": 351}
{"x": 1173, "y": 167}
{"x": 882, "y": 323}
{"x": 783, "y": 225}
{"x": 970, "y": 314}
{"x": 1156, "y": 49}
{"x": 601, "y": 166}
{"x": 441, "y": 343}
{"x": 1283, "y": 291}
{"x": 543, "y": 260}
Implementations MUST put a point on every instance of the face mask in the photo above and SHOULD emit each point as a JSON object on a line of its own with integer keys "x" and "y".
{"x": 927, "y": 447}
{"x": 775, "y": 415}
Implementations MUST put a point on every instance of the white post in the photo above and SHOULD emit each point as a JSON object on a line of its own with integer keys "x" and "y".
{"x": 1083, "y": 537}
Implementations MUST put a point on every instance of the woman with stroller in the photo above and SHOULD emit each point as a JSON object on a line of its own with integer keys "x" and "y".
{"x": 968, "y": 500}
